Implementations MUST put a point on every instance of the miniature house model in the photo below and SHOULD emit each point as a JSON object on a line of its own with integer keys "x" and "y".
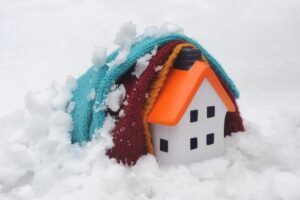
{"x": 187, "y": 119}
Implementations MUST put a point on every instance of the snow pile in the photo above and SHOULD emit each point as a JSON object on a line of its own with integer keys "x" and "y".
{"x": 126, "y": 35}
{"x": 37, "y": 161}
{"x": 115, "y": 97}
{"x": 99, "y": 57}
{"x": 92, "y": 95}
{"x": 157, "y": 31}
{"x": 143, "y": 62}
{"x": 124, "y": 39}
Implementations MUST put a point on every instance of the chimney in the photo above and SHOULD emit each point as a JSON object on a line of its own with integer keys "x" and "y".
{"x": 187, "y": 58}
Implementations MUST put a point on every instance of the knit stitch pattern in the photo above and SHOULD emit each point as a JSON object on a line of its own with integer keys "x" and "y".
{"x": 89, "y": 115}
{"x": 128, "y": 135}
{"x": 154, "y": 91}
{"x": 233, "y": 120}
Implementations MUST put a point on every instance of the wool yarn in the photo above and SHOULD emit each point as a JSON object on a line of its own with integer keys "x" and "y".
{"x": 128, "y": 135}
{"x": 89, "y": 115}
{"x": 131, "y": 136}
{"x": 154, "y": 91}
{"x": 233, "y": 120}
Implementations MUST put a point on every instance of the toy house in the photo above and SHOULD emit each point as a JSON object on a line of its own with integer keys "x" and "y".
{"x": 187, "y": 119}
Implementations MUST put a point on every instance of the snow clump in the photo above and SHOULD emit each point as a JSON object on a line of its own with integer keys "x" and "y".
{"x": 115, "y": 97}
{"x": 99, "y": 57}
{"x": 143, "y": 62}
{"x": 124, "y": 39}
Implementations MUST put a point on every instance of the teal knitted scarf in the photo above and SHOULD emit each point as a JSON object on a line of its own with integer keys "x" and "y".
{"x": 89, "y": 115}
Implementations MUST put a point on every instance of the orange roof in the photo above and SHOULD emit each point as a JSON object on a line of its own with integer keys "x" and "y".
{"x": 179, "y": 90}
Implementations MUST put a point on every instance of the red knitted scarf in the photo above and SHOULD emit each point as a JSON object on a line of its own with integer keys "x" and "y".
{"x": 128, "y": 135}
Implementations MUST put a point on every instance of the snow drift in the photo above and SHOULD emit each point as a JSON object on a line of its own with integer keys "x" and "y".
{"x": 38, "y": 162}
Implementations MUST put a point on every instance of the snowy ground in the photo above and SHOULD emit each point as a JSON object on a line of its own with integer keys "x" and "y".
{"x": 258, "y": 43}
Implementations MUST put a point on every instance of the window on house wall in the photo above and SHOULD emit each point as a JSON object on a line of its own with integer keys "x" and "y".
{"x": 193, "y": 143}
{"x": 210, "y": 111}
{"x": 194, "y": 115}
{"x": 210, "y": 138}
{"x": 164, "y": 146}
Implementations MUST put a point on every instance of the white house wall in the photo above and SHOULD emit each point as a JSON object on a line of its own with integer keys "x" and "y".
{"x": 179, "y": 136}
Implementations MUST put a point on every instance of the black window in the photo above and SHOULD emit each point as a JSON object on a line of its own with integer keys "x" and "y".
{"x": 210, "y": 111}
{"x": 194, "y": 115}
{"x": 164, "y": 145}
{"x": 210, "y": 138}
{"x": 193, "y": 143}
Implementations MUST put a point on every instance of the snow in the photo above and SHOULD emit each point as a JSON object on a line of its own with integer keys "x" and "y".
{"x": 91, "y": 96}
{"x": 126, "y": 35}
{"x": 99, "y": 57}
{"x": 158, "y": 68}
{"x": 121, "y": 57}
{"x": 104, "y": 135}
{"x": 71, "y": 83}
{"x": 124, "y": 39}
{"x": 256, "y": 41}
{"x": 71, "y": 107}
{"x": 115, "y": 98}
{"x": 157, "y": 31}
{"x": 143, "y": 62}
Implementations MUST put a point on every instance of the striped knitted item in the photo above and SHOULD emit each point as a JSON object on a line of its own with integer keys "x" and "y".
{"x": 89, "y": 115}
{"x": 233, "y": 120}
{"x": 128, "y": 136}
{"x": 131, "y": 136}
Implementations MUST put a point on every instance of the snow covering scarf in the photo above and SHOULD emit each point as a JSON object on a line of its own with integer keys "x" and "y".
{"x": 131, "y": 135}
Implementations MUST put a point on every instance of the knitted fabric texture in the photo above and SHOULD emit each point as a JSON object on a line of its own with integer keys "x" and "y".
{"x": 89, "y": 115}
{"x": 154, "y": 91}
{"x": 128, "y": 135}
{"x": 233, "y": 120}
